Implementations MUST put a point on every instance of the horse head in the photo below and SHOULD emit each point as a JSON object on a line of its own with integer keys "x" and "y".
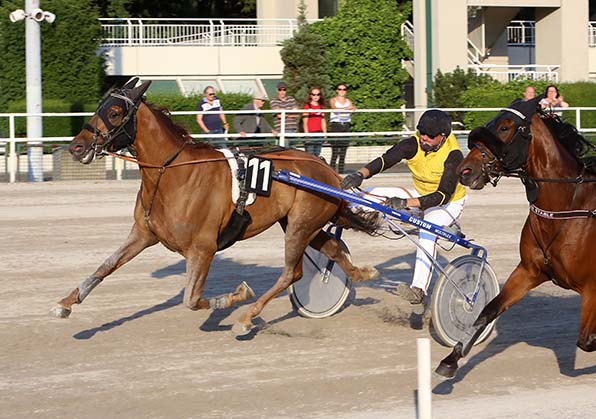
{"x": 113, "y": 125}
{"x": 500, "y": 147}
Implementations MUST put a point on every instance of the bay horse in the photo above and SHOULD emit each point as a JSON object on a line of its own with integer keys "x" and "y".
{"x": 557, "y": 240}
{"x": 185, "y": 203}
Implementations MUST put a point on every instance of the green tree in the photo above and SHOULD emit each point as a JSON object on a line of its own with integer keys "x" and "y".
{"x": 71, "y": 69}
{"x": 365, "y": 50}
{"x": 305, "y": 60}
{"x": 449, "y": 88}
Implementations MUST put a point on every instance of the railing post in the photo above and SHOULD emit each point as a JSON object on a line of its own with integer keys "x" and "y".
{"x": 12, "y": 154}
{"x": 578, "y": 122}
{"x": 130, "y": 35}
{"x": 119, "y": 168}
{"x": 282, "y": 128}
{"x": 141, "y": 34}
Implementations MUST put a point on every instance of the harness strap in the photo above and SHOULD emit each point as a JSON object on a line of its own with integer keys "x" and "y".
{"x": 241, "y": 176}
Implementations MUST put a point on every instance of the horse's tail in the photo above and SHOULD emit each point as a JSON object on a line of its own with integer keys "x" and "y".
{"x": 359, "y": 219}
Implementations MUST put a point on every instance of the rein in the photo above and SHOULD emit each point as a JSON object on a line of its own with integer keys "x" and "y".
{"x": 168, "y": 163}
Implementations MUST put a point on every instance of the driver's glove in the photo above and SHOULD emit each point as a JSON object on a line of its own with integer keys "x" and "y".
{"x": 353, "y": 180}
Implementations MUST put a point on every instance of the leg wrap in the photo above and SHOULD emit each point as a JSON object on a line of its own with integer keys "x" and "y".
{"x": 217, "y": 303}
{"x": 86, "y": 287}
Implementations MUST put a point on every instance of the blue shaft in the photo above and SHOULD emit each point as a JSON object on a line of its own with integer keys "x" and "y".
{"x": 292, "y": 178}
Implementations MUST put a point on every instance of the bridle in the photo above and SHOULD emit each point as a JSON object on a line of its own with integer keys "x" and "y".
{"x": 126, "y": 129}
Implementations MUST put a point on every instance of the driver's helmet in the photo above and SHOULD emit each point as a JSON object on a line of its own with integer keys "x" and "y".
{"x": 434, "y": 122}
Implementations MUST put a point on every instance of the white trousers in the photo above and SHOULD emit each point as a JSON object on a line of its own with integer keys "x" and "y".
{"x": 442, "y": 215}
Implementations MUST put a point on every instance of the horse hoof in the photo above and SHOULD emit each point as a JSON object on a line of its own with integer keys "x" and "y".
{"x": 241, "y": 329}
{"x": 60, "y": 312}
{"x": 446, "y": 370}
{"x": 246, "y": 291}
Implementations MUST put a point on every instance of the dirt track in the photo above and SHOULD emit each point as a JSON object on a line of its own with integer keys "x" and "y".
{"x": 133, "y": 350}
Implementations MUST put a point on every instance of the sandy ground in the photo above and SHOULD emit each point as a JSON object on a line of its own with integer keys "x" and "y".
{"x": 133, "y": 350}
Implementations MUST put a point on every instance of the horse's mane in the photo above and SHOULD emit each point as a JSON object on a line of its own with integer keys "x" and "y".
{"x": 571, "y": 140}
{"x": 180, "y": 132}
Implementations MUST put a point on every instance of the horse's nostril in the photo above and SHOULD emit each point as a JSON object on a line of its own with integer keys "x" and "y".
{"x": 465, "y": 172}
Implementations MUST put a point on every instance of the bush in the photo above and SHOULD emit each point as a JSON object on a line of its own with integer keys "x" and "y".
{"x": 230, "y": 101}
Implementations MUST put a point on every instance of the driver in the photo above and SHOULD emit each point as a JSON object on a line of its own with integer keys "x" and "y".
{"x": 432, "y": 155}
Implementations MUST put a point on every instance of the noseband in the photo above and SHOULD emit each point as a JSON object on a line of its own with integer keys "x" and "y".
{"x": 126, "y": 129}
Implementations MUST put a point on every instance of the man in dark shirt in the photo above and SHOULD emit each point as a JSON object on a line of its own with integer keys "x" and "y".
{"x": 213, "y": 122}
{"x": 432, "y": 155}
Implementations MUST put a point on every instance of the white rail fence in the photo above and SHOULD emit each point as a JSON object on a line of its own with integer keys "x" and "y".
{"x": 13, "y": 162}
{"x": 199, "y": 32}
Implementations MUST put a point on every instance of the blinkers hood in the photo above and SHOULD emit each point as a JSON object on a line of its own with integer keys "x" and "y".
{"x": 513, "y": 154}
{"x": 128, "y": 99}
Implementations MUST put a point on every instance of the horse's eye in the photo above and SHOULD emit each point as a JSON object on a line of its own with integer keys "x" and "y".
{"x": 504, "y": 128}
{"x": 113, "y": 115}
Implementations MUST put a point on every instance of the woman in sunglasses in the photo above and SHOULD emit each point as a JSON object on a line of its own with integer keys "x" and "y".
{"x": 313, "y": 121}
{"x": 432, "y": 155}
{"x": 340, "y": 121}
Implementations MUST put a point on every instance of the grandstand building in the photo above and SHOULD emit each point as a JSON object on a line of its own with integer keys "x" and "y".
{"x": 537, "y": 39}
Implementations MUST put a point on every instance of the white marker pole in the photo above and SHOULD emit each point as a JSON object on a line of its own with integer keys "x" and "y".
{"x": 424, "y": 390}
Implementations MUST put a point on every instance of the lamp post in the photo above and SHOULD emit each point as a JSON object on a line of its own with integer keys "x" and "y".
{"x": 32, "y": 16}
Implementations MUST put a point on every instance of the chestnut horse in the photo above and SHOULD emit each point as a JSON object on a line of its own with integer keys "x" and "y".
{"x": 557, "y": 240}
{"x": 185, "y": 203}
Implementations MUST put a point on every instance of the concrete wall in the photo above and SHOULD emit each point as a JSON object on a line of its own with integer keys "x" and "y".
{"x": 194, "y": 61}
{"x": 561, "y": 38}
{"x": 286, "y": 9}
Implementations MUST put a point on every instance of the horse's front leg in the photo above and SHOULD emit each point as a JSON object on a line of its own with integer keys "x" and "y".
{"x": 197, "y": 268}
{"x": 331, "y": 248}
{"x": 519, "y": 283}
{"x": 138, "y": 240}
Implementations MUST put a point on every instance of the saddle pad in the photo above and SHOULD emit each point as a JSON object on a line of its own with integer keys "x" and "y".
{"x": 234, "y": 170}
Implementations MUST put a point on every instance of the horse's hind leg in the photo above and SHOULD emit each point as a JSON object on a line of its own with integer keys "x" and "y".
{"x": 137, "y": 241}
{"x": 295, "y": 244}
{"x": 197, "y": 268}
{"x": 519, "y": 283}
{"x": 331, "y": 248}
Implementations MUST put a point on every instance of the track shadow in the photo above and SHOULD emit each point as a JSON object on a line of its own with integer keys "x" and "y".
{"x": 224, "y": 275}
{"x": 400, "y": 269}
{"x": 538, "y": 320}
{"x": 89, "y": 333}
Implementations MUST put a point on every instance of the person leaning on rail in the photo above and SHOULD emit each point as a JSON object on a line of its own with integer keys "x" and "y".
{"x": 432, "y": 155}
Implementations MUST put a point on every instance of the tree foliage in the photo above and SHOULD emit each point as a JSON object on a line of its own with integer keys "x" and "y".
{"x": 365, "y": 50}
{"x": 305, "y": 60}
{"x": 71, "y": 69}
{"x": 449, "y": 88}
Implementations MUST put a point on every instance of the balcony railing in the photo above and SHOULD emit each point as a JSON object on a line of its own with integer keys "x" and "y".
{"x": 197, "y": 32}
{"x": 506, "y": 73}
{"x": 521, "y": 32}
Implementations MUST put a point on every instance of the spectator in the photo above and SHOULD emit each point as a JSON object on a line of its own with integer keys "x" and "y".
{"x": 253, "y": 123}
{"x": 214, "y": 122}
{"x": 552, "y": 99}
{"x": 433, "y": 155}
{"x": 340, "y": 122}
{"x": 314, "y": 122}
{"x": 529, "y": 93}
{"x": 284, "y": 102}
